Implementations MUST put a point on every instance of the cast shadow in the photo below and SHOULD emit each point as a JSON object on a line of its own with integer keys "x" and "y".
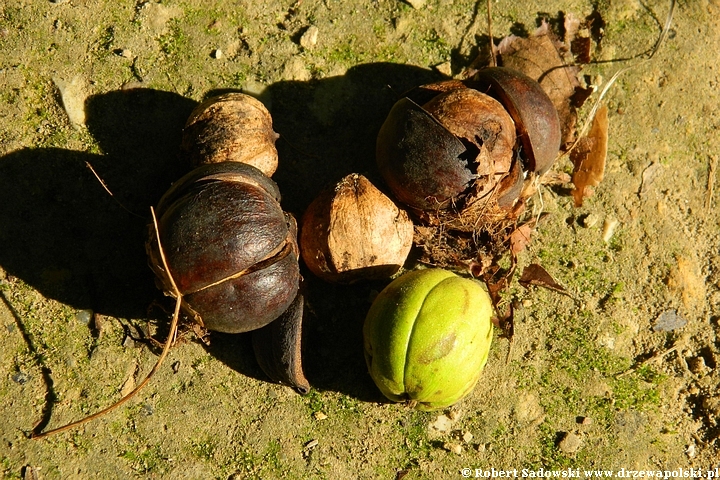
{"x": 327, "y": 130}
{"x": 65, "y": 236}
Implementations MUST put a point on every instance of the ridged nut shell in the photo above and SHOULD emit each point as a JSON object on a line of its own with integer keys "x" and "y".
{"x": 354, "y": 232}
{"x": 233, "y": 127}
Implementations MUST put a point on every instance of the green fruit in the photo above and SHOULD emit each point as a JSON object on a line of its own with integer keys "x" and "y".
{"x": 427, "y": 337}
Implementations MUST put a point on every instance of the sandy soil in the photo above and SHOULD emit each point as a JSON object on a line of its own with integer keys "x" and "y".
{"x": 620, "y": 373}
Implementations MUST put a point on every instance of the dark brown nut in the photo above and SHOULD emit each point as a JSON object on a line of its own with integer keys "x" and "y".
{"x": 233, "y": 127}
{"x": 353, "y": 232}
{"x": 231, "y": 249}
{"x": 532, "y": 110}
{"x": 454, "y": 148}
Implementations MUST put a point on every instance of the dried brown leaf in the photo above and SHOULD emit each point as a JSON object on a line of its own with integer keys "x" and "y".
{"x": 536, "y": 275}
{"x": 506, "y": 322}
{"x": 580, "y": 47}
{"x": 541, "y": 57}
{"x": 520, "y": 237}
{"x": 588, "y": 157}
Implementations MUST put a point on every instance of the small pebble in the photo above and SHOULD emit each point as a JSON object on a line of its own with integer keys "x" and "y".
{"x": 31, "y": 473}
{"x": 175, "y": 367}
{"x": 311, "y": 444}
{"x": 417, "y": 3}
{"x": 310, "y": 38}
{"x": 319, "y": 416}
{"x": 217, "y": 54}
{"x": 697, "y": 365}
{"x": 668, "y": 321}
{"x": 442, "y": 424}
{"x": 585, "y": 421}
{"x": 690, "y": 451}
{"x": 453, "y": 447}
{"x": 467, "y": 437}
{"x": 21, "y": 378}
{"x": 128, "y": 342}
{"x": 589, "y": 220}
{"x": 444, "y": 68}
{"x": 570, "y": 443}
{"x": 84, "y": 316}
{"x": 609, "y": 226}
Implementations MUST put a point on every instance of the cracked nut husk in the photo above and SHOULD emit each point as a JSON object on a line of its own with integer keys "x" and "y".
{"x": 230, "y": 247}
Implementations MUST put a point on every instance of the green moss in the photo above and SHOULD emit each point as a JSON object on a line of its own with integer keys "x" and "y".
{"x": 632, "y": 392}
{"x": 347, "y": 52}
{"x": 105, "y": 42}
{"x": 175, "y": 41}
{"x": 413, "y": 428}
{"x": 348, "y": 405}
{"x": 314, "y": 401}
{"x": 203, "y": 449}
{"x": 251, "y": 465}
{"x": 436, "y": 47}
{"x": 148, "y": 460}
{"x": 550, "y": 455}
{"x": 7, "y": 469}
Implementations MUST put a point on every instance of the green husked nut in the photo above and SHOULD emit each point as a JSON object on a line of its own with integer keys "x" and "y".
{"x": 427, "y": 337}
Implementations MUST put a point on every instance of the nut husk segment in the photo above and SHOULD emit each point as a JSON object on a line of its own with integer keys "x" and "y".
{"x": 451, "y": 151}
{"x": 277, "y": 347}
{"x": 535, "y": 116}
{"x": 354, "y": 232}
{"x": 233, "y": 127}
{"x": 420, "y": 159}
{"x": 230, "y": 247}
{"x": 484, "y": 127}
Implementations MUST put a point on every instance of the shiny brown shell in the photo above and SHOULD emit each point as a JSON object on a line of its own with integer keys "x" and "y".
{"x": 231, "y": 249}
{"x": 535, "y": 116}
{"x": 457, "y": 145}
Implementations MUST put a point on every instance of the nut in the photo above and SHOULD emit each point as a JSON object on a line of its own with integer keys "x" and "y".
{"x": 452, "y": 143}
{"x": 231, "y": 249}
{"x": 427, "y": 337}
{"x": 458, "y": 144}
{"x": 233, "y": 127}
{"x": 353, "y": 232}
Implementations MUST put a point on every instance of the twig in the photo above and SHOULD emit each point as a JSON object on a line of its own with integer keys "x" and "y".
{"x": 104, "y": 185}
{"x": 158, "y": 363}
{"x": 650, "y": 55}
{"x": 493, "y": 59}
{"x": 657, "y": 356}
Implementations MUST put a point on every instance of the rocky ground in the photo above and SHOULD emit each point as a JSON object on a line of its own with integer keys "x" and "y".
{"x": 619, "y": 372}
